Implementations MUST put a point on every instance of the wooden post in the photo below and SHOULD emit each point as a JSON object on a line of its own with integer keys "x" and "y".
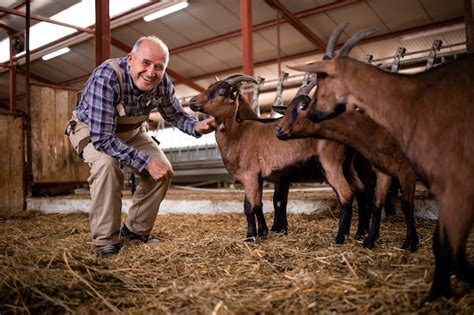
{"x": 247, "y": 39}
{"x": 102, "y": 31}
{"x": 12, "y": 77}
{"x": 468, "y": 18}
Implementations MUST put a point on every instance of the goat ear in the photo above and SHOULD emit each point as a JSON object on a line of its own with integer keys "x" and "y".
{"x": 325, "y": 66}
{"x": 236, "y": 113}
{"x": 279, "y": 109}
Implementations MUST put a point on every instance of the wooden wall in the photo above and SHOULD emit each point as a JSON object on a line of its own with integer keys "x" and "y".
{"x": 11, "y": 164}
{"x": 53, "y": 159}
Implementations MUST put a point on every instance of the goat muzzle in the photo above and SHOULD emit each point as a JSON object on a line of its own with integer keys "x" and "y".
{"x": 281, "y": 134}
{"x": 193, "y": 104}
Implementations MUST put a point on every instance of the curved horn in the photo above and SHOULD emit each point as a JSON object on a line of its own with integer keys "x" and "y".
{"x": 238, "y": 78}
{"x": 357, "y": 37}
{"x": 305, "y": 89}
{"x": 329, "y": 54}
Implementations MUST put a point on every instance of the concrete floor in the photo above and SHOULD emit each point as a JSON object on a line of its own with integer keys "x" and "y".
{"x": 184, "y": 200}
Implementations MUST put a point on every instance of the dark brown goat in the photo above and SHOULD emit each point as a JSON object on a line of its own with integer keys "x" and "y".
{"x": 252, "y": 154}
{"x": 431, "y": 115}
{"x": 369, "y": 139}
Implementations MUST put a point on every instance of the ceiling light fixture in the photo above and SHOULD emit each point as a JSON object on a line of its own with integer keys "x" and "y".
{"x": 166, "y": 11}
{"x": 435, "y": 31}
{"x": 56, "y": 53}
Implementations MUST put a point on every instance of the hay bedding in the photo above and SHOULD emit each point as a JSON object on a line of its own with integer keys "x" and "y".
{"x": 202, "y": 267}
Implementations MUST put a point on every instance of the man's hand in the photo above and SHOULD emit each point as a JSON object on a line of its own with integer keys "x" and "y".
{"x": 207, "y": 125}
{"x": 159, "y": 170}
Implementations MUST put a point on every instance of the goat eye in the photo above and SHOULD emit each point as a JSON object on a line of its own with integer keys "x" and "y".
{"x": 302, "y": 106}
{"x": 221, "y": 92}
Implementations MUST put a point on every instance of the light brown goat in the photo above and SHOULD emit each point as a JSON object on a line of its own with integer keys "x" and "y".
{"x": 369, "y": 139}
{"x": 252, "y": 154}
{"x": 431, "y": 115}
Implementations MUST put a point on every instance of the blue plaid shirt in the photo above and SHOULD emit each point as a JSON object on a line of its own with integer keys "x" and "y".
{"x": 102, "y": 94}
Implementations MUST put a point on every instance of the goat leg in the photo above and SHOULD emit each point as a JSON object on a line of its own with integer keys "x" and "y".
{"x": 251, "y": 225}
{"x": 345, "y": 218}
{"x": 441, "y": 286}
{"x": 389, "y": 206}
{"x": 374, "y": 232}
{"x": 262, "y": 225}
{"x": 364, "y": 203}
{"x": 411, "y": 239}
{"x": 280, "y": 202}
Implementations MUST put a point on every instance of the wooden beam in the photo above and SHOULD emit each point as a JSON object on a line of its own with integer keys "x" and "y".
{"x": 44, "y": 19}
{"x": 469, "y": 22}
{"x": 297, "y": 24}
{"x": 264, "y": 25}
{"x": 102, "y": 31}
{"x": 316, "y": 51}
{"x": 247, "y": 38}
{"x": 12, "y": 79}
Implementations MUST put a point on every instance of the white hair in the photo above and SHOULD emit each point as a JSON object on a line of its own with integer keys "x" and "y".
{"x": 154, "y": 39}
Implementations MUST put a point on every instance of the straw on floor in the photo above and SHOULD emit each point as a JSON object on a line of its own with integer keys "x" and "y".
{"x": 202, "y": 266}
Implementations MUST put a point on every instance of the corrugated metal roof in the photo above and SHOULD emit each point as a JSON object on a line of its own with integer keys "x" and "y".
{"x": 205, "y": 20}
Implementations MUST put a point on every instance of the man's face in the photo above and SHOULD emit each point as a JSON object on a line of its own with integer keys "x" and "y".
{"x": 147, "y": 65}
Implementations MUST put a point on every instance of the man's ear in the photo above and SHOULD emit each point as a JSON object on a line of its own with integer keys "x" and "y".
{"x": 129, "y": 58}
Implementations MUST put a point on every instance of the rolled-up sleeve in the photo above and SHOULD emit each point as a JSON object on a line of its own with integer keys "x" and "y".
{"x": 172, "y": 111}
{"x": 102, "y": 93}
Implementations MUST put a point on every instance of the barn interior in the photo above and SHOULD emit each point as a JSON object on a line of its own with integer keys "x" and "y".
{"x": 49, "y": 49}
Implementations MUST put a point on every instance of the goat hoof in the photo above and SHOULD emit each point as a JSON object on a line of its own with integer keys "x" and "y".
{"x": 280, "y": 230}
{"x": 435, "y": 295}
{"x": 411, "y": 246}
{"x": 368, "y": 244}
{"x": 340, "y": 239}
{"x": 359, "y": 236}
{"x": 250, "y": 239}
{"x": 263, "y": 233}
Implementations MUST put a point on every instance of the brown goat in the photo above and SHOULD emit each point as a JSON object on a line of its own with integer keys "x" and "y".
{"x": 252, "y": 154}
{"x": 369, "y": 139}
{"x": 431, "y": 115}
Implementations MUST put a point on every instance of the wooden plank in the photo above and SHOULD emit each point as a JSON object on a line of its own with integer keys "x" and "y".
{"x": 11, "y": 164}
{"x": 81, "y": 169}
{"x": 61, "y": 144}
{"x": 54, "y": 160}
{"x": 4, "y": 165}
{"x": 42, "y": 118}
{"x": 17, "y": 154}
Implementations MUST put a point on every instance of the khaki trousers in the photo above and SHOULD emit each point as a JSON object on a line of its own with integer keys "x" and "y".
{"x": 106, "y": 181}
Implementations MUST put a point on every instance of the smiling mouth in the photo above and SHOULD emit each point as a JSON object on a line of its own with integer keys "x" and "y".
{"x": 148, "y": 79}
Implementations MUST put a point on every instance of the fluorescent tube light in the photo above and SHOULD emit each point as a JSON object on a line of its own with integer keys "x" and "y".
{"x": 431, "y": 32}
{"x": 56, "y": 53}
{"x": 165, "y": 11}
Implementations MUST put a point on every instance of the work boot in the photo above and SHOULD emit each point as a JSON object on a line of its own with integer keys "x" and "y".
{"x": 126, "y": 233}
{"x": 105, "y": 251}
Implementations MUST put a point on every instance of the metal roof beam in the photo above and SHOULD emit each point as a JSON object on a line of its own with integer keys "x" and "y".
{"x": 297, "y": 24}
{"x": 264, "y": 25}
{"x": 469, "y": 22}
{"x": 45, "y": 19}
{"x": 315, "y": 51}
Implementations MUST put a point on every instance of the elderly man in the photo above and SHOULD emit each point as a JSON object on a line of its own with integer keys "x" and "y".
{"x": 107, "y": 130}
